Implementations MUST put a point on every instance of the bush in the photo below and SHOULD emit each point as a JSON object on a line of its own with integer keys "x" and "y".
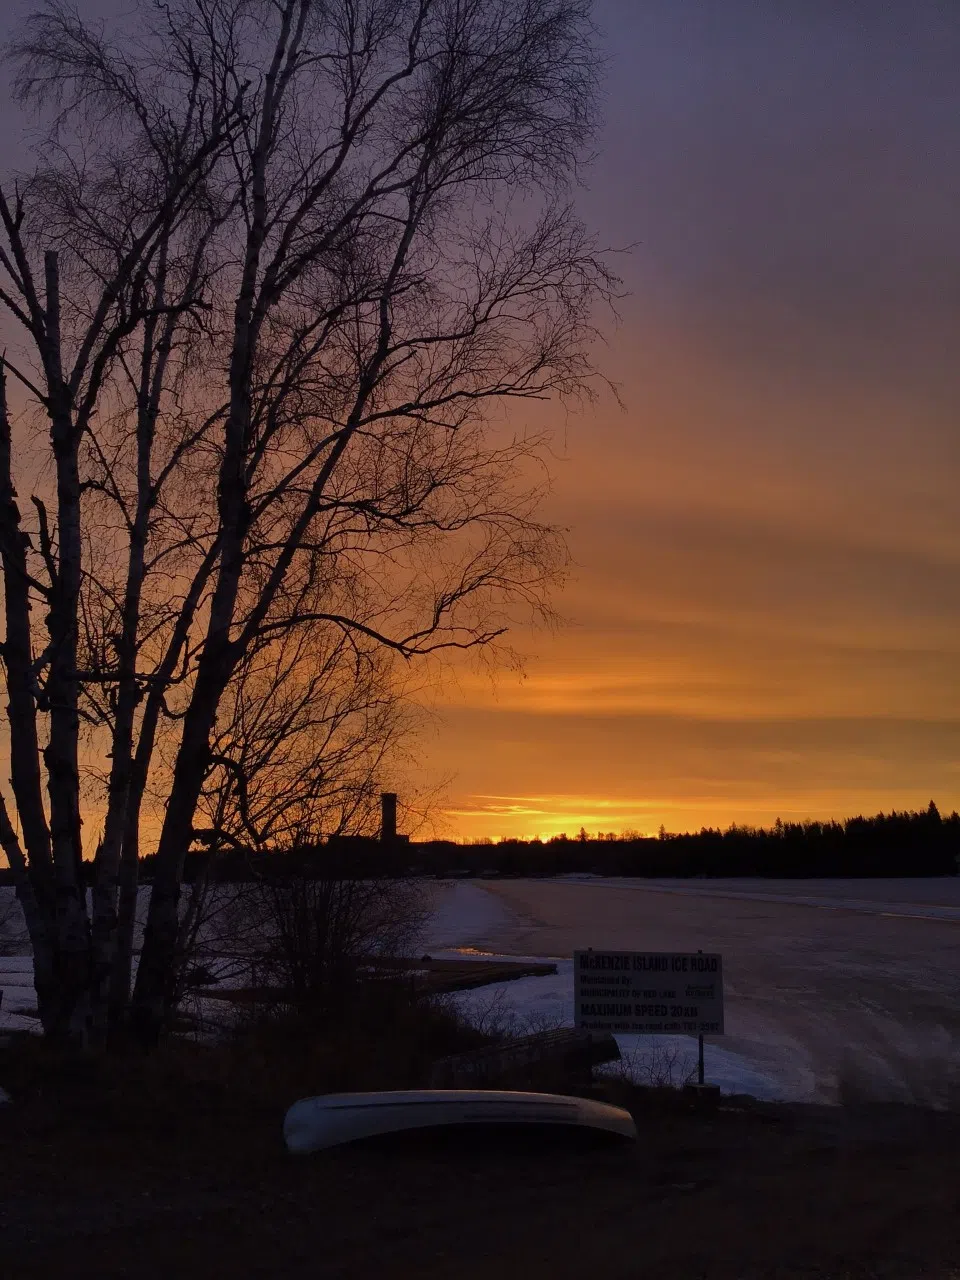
{"x": 13, "y": 935}
{"x": 303, "y": 940}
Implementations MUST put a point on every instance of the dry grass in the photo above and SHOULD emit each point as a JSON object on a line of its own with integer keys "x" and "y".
{"x": 492, "y": 1016}
{"x": 659, "y": 1067}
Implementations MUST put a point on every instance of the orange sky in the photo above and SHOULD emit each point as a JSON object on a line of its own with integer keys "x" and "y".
{"x": 747, "y": 638}
{"x": 765, "y": 616}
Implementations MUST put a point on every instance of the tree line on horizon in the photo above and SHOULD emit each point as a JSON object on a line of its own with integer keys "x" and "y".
{"x": 899, "y": 843}
{"x": 907, "y": 843}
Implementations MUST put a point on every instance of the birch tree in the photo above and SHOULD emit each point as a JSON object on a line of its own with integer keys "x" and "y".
{"x": 279, "y": 269}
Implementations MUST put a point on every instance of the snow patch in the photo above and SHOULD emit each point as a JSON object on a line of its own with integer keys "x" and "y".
{"x": 539, "y": 1004}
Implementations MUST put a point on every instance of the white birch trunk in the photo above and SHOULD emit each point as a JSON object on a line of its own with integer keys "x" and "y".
{"x": 61, "y": 752}
{"x": 33, "y": 871}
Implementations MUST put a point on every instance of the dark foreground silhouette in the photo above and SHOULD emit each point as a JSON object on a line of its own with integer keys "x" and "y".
{"x": 168, "y": 1169}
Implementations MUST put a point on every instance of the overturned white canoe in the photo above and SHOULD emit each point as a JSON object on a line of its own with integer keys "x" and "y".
{"x": 314, "y": 1123}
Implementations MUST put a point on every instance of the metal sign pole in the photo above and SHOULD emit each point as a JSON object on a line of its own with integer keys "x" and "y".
{"x": 653, "y": 993}
{"x": 700, "y": 1038}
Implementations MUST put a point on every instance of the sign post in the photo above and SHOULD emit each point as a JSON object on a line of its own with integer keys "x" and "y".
{"x": 649, "y": 993}
{"x": 700, "y": 1049}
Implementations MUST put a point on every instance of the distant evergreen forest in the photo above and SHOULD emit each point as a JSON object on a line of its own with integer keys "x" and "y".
{"x": 888, "y": 844}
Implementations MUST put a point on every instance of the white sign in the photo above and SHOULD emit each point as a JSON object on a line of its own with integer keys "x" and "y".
{"x": 648, "y": 992}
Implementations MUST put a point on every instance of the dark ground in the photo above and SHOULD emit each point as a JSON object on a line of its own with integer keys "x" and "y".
{"x": 161, "y": 1172}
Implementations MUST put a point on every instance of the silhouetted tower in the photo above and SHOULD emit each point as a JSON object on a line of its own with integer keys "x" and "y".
{"x": 388, "y": 816}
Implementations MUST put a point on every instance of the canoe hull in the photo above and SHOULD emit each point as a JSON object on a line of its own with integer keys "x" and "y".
{"x": 313, "y": 1124}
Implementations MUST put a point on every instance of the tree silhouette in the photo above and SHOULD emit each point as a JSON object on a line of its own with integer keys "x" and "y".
{"x": 275, "y": 267}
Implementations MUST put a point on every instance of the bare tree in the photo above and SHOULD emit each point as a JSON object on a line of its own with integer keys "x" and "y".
{"x": 278, "y": 265}
{"x": 302, "y": 743}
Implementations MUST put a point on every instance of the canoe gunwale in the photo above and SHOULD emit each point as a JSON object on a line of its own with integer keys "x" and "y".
{"x": 314, "y": 1124}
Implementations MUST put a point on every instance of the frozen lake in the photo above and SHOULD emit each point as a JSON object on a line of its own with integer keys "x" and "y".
{"x": 823, "y": 979}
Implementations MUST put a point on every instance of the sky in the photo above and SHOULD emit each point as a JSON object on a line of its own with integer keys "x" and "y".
{"x": 764, "y": 613}
{"x": 764, "y": 618}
